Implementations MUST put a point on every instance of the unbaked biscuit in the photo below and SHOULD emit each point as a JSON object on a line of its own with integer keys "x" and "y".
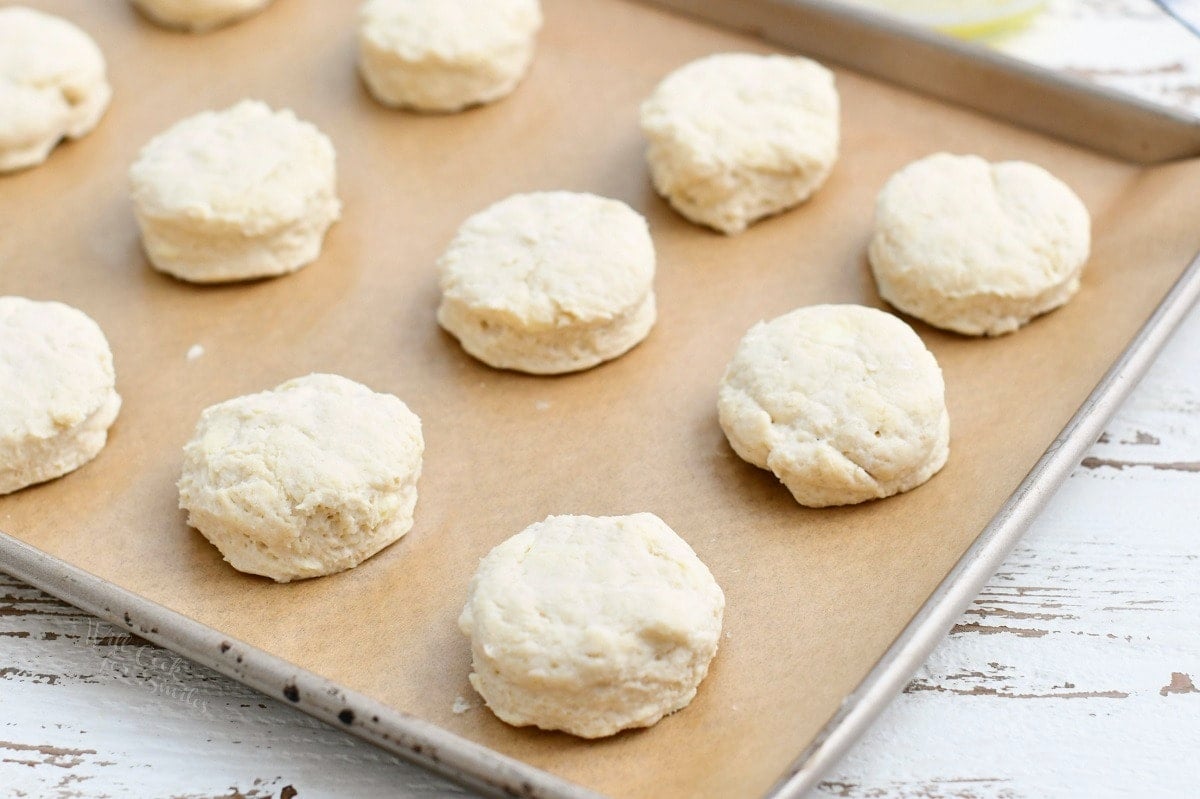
{"x": 198, "y": 16}
{"x": 236, "y": 194}
{"x": 978, "y": 248}
{"x": 58, "y": 392}
{"x": 736, "y": 137}
{"x": 550, "y": 282}
{"x": 445, "y": 55}
{"x": 52, "y": 85}
{"x": 591, "y": 625}
{"x": 842, "y": 403}
{"x": 308, "y": 479}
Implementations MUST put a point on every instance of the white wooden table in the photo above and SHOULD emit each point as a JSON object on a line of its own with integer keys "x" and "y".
{"x": 1074, "y": 674}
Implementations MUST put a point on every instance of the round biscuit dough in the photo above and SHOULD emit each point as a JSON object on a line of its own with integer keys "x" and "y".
{"x": 736, "y": 137}
{"x": 978, "y": 248}
{"x": 237, "y": 194}
{"x": 198, "y": 16}
{"x": 305, "y": 480}
{"x": 842, "y": 403}
{"x": 591, "y": 625}
{"x": 549, "y": 282}
{"x": 445, "y": 55}
{"x": 52, "y": 85}
{"x": 58, "y": 392}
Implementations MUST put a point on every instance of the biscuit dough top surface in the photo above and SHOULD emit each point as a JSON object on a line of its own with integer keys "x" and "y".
{"x": 967, "y": 227}
{"x": 575, "y": 599}
{"x": 418, "y": 30}
{"x": 56, "y": 369}
{"x": 247, "y": 166}
{"x": 545, "y": 260}
{"x": 315, "y": 441}
{"x": 753, "y": 110}
{"x": 853, "y": 382}
{"x": 46, "y": 63}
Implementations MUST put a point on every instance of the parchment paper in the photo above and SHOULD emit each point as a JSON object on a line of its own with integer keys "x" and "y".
{"x": 814, "y": 596}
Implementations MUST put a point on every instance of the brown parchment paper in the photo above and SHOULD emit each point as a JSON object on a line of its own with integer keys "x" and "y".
{"x": 814, "y": 596}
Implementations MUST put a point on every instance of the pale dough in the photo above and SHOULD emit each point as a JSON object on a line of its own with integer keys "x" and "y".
{"x": 591, "y": 625}
{"x": 52, "y": 85}
{"x": 978, "y": 248}
{"x": 736, "y": 137}
{"x": 236, "y": 194}
{"x": 308, "y": 479}
{"x": 549, "y": 282}
{"x": 842, "y": 403}
{"x": 58, "y": 392}
{"x": 199, "y": 16}
{"x": 445, "y": 55}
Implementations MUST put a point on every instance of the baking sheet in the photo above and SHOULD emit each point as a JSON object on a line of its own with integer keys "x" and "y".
{"x": 878, "y": 44}
{"x": 814, "y": 596}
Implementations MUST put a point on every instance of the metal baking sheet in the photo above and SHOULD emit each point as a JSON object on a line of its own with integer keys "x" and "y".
{"x": 829, "y": 611}
{"x": 891, "y": 49}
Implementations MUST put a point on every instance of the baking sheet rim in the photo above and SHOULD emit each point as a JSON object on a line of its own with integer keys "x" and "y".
{"x": 1117, "y": 123}
{"x": 480, "y": 768}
